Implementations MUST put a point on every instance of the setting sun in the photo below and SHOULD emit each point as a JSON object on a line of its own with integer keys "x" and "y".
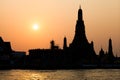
{"x": 40, "y": 21}
{"x": 35, "y": 26}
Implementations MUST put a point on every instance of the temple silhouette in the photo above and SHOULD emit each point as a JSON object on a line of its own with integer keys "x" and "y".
{"x": 80, "y": 48}
{"x": 79, "y": 54}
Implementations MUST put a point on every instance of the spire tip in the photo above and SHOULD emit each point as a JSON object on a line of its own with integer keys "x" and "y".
{"x": 79, "y": 6}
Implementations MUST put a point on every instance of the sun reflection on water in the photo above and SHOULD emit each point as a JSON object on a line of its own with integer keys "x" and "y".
{"x": 93, "y": 74}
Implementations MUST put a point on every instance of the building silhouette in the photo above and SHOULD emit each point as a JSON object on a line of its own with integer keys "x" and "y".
{"x": 108, "y": 57}
{"x": 5, "y": 53}
{"x": 65, "y": 43}
{"x": 81, "y": 49}
{"x": 110, "y": 52}
{"x": 79, "y": 54}
{"x": 8, "y": 57}
{"x": 53, "y": 46}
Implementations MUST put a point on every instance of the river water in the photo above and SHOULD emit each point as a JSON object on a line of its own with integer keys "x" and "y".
{"x": 81, "y": 74}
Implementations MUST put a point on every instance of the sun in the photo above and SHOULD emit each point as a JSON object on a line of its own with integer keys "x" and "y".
{"x": 35, "y": 27}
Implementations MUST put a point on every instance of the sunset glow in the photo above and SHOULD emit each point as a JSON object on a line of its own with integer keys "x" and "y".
{"x": 35, "y": 26}
{"x": 19, "y": 22}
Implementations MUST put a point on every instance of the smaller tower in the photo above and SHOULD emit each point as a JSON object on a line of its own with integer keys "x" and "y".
{"x": 52, "y": 44}
{"x": 110, "y": 52}
{"x": 65, "y": 43}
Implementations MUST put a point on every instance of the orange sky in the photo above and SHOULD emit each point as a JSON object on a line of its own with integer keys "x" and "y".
{"x": 56, "y": 19}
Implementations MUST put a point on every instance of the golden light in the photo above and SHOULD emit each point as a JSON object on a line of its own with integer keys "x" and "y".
{"x": 35, "y": 26}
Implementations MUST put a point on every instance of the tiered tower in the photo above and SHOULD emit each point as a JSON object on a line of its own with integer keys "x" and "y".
{"x": 80, "y": 36}
{"x": 80, "y": 48}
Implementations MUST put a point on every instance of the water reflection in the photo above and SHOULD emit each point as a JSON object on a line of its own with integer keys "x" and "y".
{"x": 92, "y": 74}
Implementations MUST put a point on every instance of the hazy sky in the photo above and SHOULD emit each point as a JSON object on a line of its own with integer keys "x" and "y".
{"x": 56, "y": 19}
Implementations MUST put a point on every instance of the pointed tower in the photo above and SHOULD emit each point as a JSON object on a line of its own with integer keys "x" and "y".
{"x": 110, "y": 51}
{"x": 80, "y": 48}
{"x": 80, "y": 36}
{"x": 65, "y": 43}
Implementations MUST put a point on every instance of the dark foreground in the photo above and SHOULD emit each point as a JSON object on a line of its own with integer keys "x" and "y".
{"x": 61, "y": 67}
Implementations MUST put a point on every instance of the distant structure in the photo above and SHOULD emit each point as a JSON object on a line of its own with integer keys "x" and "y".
{"x": 5, "y": 47}
{"x": 8, "y": 57}
{"x": 65, "y": 43}
{"x": 53, "y": 46}
{"x": 5, "y": 53}
{"x": 110, "y": 51}
{"x": 81, "y": 49}
{"x": 111, "y": 57}
{"x": 108, "y": 57}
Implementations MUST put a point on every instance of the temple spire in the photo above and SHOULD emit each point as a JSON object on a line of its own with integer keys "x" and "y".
{"x": 65, "y": 43}
{"x": 79, "y": 6}
{"x": 80, "y": 13}
{"x": 110, "y": 51}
